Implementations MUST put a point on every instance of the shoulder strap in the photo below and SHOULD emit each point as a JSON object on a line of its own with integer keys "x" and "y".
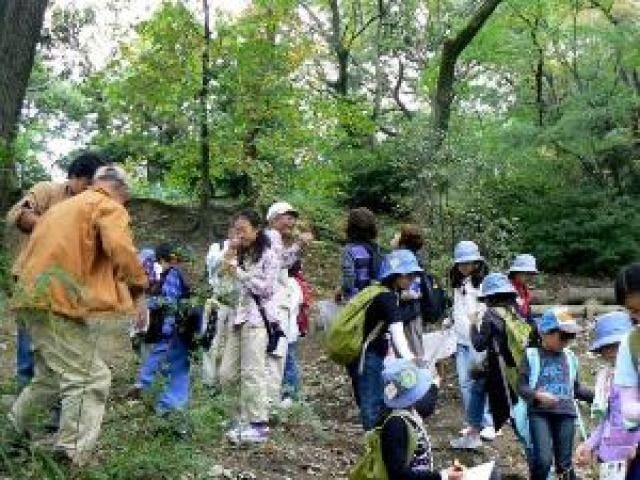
{"x": 634, "y": 346}
{"x": 573, "y": 365}
{"x": 263, "y": 313}
{"x": 533, "y": 357}
{"x": 376, "y": 330}
{"x": 412, "y": 424}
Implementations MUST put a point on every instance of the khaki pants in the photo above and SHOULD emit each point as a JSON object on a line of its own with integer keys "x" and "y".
{"x": 274, "y": 373}
{"x": 67, "y": 366}
{"x": 244, "y": 364}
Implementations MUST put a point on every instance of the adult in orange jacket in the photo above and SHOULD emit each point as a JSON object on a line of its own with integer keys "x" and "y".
{"x": 77, "y": 271}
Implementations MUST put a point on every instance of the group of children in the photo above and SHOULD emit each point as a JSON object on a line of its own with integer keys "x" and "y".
{"x": 511, "y": 366}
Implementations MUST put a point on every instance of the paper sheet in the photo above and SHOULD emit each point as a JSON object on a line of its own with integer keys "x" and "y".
{"x": 481, "y": 472}
{"x": 438, "y": 345}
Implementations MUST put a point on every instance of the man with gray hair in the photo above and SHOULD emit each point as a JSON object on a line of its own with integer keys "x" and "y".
{"x": 78, "y": 270}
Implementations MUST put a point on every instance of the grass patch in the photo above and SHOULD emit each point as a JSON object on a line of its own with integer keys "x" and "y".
{"x": 135, "y": 444}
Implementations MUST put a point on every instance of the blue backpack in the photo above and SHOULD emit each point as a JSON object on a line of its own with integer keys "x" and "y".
{"x": 366, "y": 260}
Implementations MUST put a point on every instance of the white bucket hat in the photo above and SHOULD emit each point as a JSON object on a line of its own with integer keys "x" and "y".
{"x": 280, "y": 208}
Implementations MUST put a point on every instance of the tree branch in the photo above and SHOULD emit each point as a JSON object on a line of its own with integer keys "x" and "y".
{"x": 396, "y": 91}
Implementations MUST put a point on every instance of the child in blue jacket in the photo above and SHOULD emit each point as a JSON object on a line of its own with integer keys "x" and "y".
{"x": 169, "y": 353}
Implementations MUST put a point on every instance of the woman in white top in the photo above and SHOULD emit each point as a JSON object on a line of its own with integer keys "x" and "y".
{"x": 466, "y": 275}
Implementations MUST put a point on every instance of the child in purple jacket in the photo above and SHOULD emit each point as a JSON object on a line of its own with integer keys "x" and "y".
{"x": 611, "y": 441}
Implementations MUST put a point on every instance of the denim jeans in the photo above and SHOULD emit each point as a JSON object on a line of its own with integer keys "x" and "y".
{"x": 371, "y": 390}
{"x": 465, "y": 359}
{"x": 170, "y": 357}
{"x": 24, "y": 358}
{"x": 291, "y": 379}
{"x": 551, "y": 439}
{"x": 477, "y": 409}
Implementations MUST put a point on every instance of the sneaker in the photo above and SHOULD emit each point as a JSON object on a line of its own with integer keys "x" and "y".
{"x": 286, "y": 403}
{"x": 249, "y": 434}
{"x": 488, "y": 434}
{"x": 466, "y": 442}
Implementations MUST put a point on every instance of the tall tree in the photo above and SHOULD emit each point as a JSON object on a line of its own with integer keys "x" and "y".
{"x": 452, "y": 48}
{"x": 205, "y": 154}
{"x": 20, "y": 25}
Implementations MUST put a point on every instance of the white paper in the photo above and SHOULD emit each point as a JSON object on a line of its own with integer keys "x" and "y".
{"x": 481, "y": 472}
{"x": 438, "y": 345}
{"x": 613, "y": 471}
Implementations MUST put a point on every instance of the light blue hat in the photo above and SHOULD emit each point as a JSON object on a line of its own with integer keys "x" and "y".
{"x": 467, "y": 252}
{"x": 404, "y": 383}
{"x": 558, "y": 318}
{"x": 399, "y": 262}
{"x": 610, "y": 328}
{"x": 494, "y": 284}
{"x": 524, "y": 263}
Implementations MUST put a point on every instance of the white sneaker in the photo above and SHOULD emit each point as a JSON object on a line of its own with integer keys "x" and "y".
{"x": 466, "y": 442}
{"x": 488, "y": 434}
{"x": 248, "y": 434}
{"x": 286, "y": 403}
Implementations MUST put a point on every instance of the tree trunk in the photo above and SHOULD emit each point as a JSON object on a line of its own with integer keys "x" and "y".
{"x": 20, "y": 25}
{"x": 205, "y": 155}
{"x": 451, "y": 51}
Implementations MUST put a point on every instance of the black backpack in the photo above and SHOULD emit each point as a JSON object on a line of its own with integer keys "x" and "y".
{"x": 435, "y": 302}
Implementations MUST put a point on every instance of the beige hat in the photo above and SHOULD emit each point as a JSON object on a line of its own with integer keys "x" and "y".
{"x": 280, "y": 208}
{"x": 112, "y": 172}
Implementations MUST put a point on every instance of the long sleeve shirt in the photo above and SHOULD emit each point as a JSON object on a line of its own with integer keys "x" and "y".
{"x": 627, "y": 378}
{"x": 465, "y": 305}
{"x": 257, "y": 278}
{"x": 554, "y": 378}
{"x": 394, "y": 439}
{"x": 384, "y": 308}
{"x": 611, "y": 440}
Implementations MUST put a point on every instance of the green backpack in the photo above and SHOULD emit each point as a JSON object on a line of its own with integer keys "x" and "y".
{"x": 371, "y": 465}
{"x": 345, "y": 336}
{"x": 518, "y": 334}
{"x": 634, "y": 347}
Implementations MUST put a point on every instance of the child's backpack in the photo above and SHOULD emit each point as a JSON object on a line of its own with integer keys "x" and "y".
{"x": 182, "y": 310}
{"x": 345, "y": 335}
{"x": 634, "y": 347}
{"x": 518, "y": 333}
{"x": 371, "y": 465}
{"x": 366, "y": 262}
{"x": 435, "y": 301}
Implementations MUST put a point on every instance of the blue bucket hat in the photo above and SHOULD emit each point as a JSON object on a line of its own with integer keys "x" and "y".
{"x": 404, "y": 383}
{"x": 399, "y": 262}
{"x": 524, "y": 263}
{"x": 494, "y": 284}
{"x": 466, "y": 252}
{"x": 610, "y": 328}
{"x": 558, "y": 318}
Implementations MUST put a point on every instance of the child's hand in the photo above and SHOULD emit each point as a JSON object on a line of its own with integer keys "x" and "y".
{"x": 546, "y": 399}
{"x": 453, "y": 474}
{"x": 584, "y": 455}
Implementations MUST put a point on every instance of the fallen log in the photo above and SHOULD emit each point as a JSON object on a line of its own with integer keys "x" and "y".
{"x": 588, "y": 311}
{"x": 574, "y": 296}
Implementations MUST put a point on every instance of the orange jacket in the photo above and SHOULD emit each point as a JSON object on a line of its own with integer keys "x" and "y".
{"x": 80, "y": 259}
